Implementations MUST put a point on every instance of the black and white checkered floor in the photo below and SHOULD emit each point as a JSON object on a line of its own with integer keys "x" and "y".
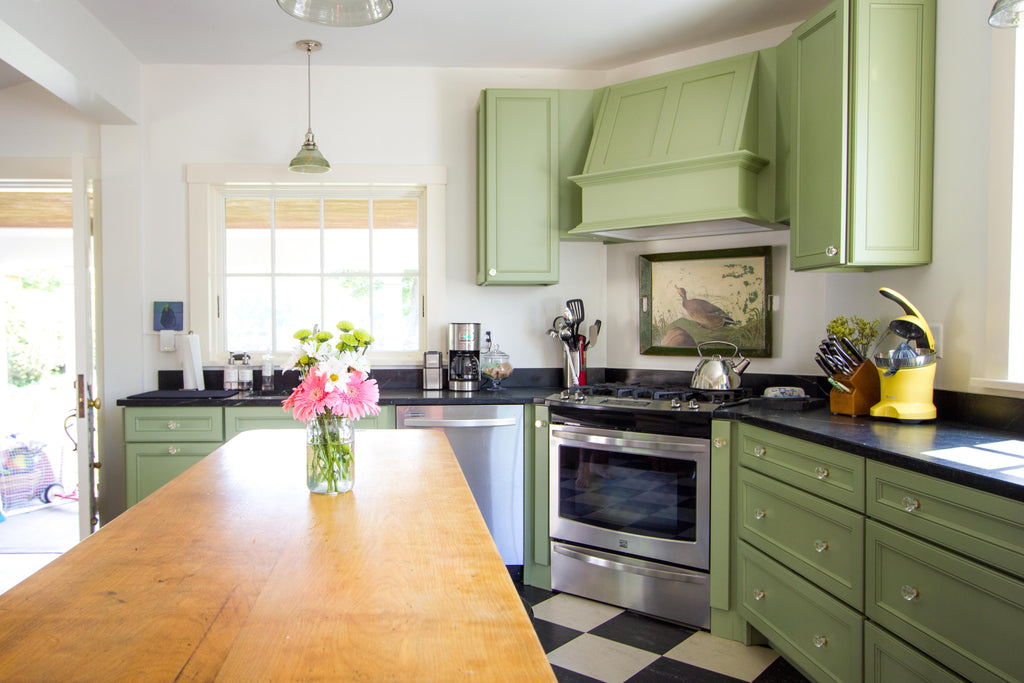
{"x": 590, "y": 641}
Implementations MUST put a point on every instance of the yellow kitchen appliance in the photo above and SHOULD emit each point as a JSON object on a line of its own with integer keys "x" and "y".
{"x": 905, "y": 359}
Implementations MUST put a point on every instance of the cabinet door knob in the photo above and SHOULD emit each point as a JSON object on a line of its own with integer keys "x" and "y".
{"x": 819, "y": 641}
{"x": 539, "y": 424}
{"x": 172, "y": 449}
{"x": 820, "y": 546}
{"x": 758, "y": 594}
{"x": 910, "y": 504}
{"x": 821, "y": 472}
{"x": 759, "y": 513}
{"x": 172, "y": 425}
{"x": 719, "y": 443}
{"x": 831, "y": 251}
{"x": 759, "y": 451}
{"x": 492, "y": 272}
{"x": 909, "y": 593}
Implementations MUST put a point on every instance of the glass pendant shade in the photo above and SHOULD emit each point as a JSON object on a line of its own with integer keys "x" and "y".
{"x": 309, "y": 159}
{"x": 1006, "y": 14}
{"x": 338, "y": 12}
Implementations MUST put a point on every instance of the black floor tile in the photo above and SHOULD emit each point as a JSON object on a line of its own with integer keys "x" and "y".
{"x": 553, "y": 636}
{"x": 665, "y": 670}
{"x": 567, "y": 676}
{"x": 652, "y": 635}
{"x": 534, "y": 595}
{"x": 780, "y": 671}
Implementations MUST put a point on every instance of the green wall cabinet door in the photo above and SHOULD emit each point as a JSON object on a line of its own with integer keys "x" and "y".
{"x": 862, "y": 99}
{"x": 528, "y": 143}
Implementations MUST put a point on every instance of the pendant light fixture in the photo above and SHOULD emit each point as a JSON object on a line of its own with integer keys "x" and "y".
{"x": 1006, "y": 14}
{"x": 309, "y": 159}
{"x": 338, "y": 12}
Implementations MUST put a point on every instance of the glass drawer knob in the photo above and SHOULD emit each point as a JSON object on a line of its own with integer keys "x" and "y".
{"x": 909, "y": 593}
{"x": 759, "y": 513}
{"x": 821, "y": 546}
{"x": 719, "y": 443}
{"x": 539, "y": 424}
{"x": 172, "y": 425}
{"x": 910, "y": 504}
{"x": 831, "y": 251}
{"x": 759, "y": 451}
{"x": 758, "y": 594}
{"x": 820, "y": 641}
{"x": 172, "y": 449}
{"x": 821, "y": 472}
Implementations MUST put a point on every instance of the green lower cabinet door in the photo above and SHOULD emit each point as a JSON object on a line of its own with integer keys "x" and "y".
{"x": 148, "y": 466}
{"x": 384, "y": 420}
{"x": 815, "y": 632}
{"x": 887, "y": 659}
{"x": 963, "y": 614}
{"x": 242, "y": 419}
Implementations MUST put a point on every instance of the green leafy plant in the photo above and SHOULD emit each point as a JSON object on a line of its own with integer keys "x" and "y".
{"x": 858, "y": 330}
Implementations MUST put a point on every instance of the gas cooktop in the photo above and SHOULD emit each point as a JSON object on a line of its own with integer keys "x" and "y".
{"x": 657, "y": 398}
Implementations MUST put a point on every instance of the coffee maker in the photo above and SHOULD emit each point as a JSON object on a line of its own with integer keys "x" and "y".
{"x": 464, "y": 356}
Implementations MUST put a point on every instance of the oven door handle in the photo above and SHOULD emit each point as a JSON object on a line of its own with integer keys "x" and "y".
{"x": 667, "y": 444}
{"x": 682, "y": 575}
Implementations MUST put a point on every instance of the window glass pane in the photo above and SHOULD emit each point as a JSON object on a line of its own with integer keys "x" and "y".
{"x": 347, "y": 298}
{"x": 247, "y": 238}
{"x": 247, "y": 313}
{"x": 396, "y": 314}
{"x": 346, "y": 235}
{"x": 297, "y": 235}
{"x": 297, "y": 301}
{"x": 395, "y": 235}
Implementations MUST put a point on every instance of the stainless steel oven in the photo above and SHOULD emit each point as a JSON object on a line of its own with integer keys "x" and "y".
{"x": 630, "y": 504}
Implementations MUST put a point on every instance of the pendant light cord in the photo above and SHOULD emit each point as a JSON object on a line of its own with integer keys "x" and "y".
{"x": 309, "y": 89}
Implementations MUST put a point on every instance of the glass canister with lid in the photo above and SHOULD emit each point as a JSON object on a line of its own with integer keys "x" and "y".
{"x": 495, "y": 365}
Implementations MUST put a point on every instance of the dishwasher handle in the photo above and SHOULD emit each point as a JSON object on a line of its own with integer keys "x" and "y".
{"x": 459, "y": 423}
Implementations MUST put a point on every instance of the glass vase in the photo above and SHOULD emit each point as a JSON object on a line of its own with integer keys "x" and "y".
{"x": 330, "y": 454}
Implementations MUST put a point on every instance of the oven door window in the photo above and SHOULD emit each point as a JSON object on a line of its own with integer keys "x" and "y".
{"x": 630, "y": 493}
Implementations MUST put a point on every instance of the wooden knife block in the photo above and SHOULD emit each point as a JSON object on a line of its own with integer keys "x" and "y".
{"x": 864, "y": 382}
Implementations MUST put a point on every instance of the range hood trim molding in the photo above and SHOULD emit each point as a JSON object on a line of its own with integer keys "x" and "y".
{"x": 743, "y": 159}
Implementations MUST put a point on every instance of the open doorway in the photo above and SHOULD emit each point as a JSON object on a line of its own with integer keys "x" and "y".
{"x": 39, "y": 463}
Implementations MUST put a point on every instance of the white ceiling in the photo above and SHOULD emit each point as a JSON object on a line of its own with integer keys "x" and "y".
{"x": 569, "y": 34}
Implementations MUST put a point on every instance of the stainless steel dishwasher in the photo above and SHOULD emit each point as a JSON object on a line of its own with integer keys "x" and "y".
{"x": 488, "y": 443}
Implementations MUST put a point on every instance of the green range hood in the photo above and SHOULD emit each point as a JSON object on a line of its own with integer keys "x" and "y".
{"x": 684, "y": 153}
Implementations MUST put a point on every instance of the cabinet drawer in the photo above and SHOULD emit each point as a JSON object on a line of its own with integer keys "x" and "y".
{"x": 818, "y": 633}
{"x": 888, "y": 659}
{"x": 963, "y": 614}
{"x": 148, "y": 466}
{"x": 981, "y": 525}
{"x": 241, "y": 419}
{"x": 821, "y": 541}
{"x": 822, "y": 471}
{"x": 173, "y": 424}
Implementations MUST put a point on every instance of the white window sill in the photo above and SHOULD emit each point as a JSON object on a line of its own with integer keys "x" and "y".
{"x": 999, "y": 387}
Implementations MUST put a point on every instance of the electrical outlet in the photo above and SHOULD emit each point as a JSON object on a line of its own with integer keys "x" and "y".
{"x": 937, "y": 335}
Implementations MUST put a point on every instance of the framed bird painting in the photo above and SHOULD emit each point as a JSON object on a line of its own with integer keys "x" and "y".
{"x": 689, "y": 298}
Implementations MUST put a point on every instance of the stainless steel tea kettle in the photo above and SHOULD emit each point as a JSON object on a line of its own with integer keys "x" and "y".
{"x": 716, "y": 373}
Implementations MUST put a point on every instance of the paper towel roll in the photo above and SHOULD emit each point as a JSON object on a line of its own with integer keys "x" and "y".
{"x": 192, "y": 363}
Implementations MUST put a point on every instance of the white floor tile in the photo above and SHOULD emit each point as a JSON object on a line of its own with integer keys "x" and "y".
{"x": 600, "y": 658}
{"x": 724, "y": 656}
{"x": 573, "y": 612}
{"x": 16, "y": 568}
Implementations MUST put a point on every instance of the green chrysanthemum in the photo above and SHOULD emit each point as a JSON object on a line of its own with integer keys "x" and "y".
{"x": 363, "y": 336}
{"x": 350, "y": 340}
{"x": 345, "y": 326}
{"x": 303, "y": 334}
{"x": 323, "y": 336}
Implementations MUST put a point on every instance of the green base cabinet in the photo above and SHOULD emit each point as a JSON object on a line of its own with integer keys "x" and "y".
{"x": 528, "y": 142}
{"x": 862, "y": 107}
{"x": 888, "y": 659}
{"x": 537, "y": 550}
{"x": 148, "y": 466}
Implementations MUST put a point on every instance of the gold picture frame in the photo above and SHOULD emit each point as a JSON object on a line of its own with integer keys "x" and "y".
{"x": 688, "y": 298}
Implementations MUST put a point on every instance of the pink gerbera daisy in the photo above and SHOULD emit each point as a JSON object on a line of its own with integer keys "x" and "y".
{"x": 358, "y": 398}
{"x": 311, "y": 397}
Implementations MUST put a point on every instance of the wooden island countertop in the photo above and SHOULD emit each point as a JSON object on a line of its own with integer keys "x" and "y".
{"x": 234, "y": 571}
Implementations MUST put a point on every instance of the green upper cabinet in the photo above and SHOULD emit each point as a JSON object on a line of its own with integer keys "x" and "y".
{"x": 861, "y": 98}
{"x": 528, "y": 141}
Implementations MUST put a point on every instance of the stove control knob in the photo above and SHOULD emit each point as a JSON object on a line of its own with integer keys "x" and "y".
{"x": 676, "y": 404}
{"x": 581, "y": 398}
{"x": 693, "y": 405}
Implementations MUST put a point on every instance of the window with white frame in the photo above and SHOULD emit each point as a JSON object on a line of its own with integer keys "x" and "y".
{"x": 281, "y": 256}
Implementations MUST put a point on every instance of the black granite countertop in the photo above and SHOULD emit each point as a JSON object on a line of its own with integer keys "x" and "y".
{"x": 388, "y": 396}
{"x": 953, "y": 451}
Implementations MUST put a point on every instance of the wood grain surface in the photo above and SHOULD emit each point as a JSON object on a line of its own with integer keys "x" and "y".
{"x": 234, "y": 571}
